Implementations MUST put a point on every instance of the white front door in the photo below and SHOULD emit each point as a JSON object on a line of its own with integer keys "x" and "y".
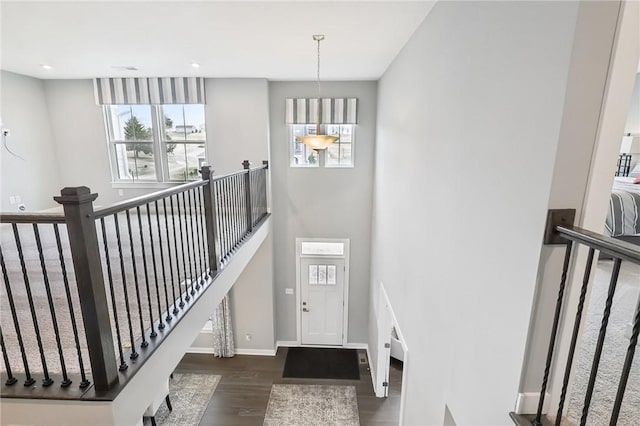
{"x": 322, "y": 301}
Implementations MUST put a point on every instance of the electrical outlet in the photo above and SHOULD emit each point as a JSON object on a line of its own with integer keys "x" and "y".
{"x": 120, "y": 192}
{"x": 248, "y": 337}
{"x": 12, "y": 199}
{"x": 18, "y": 199}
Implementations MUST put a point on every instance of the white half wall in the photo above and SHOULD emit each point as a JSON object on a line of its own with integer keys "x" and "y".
{"x": 469, "y": 118}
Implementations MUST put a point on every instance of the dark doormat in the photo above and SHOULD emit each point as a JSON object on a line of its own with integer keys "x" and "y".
{"x": 321, "y": 363}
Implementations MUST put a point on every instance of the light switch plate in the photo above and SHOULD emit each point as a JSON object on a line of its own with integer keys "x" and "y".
{"x": 288, "y": 291}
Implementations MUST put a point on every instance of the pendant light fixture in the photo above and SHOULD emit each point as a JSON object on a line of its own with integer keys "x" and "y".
{"x": 318, "y": 141}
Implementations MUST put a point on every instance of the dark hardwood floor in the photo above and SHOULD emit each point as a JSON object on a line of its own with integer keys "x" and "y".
{"x": 243, "y": 392}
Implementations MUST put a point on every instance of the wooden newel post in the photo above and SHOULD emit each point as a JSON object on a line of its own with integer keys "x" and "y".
{"x": 247, "y": 166}
{"x": 83, "y": 239}
{"x": 210, "y": 218}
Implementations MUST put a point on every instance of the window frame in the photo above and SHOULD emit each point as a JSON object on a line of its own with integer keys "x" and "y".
{"x": 158, "y": 142}
{"x": 321, "y": 162}
{"x": 352, "y": 143}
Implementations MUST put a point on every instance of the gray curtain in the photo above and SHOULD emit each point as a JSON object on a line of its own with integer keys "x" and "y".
{"x": 223, "y": 346}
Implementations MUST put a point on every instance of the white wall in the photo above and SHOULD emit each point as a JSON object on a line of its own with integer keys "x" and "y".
{"x": 633, "y": 118}
{"x": 322, "y": 203}
{"x": 34, "y": 178}
{"x": 80, "y": 141}
{"x": 237, "y": 122}
{"x": 252, "y": 303}
{"x": 468, "y": 126}
{"x": 595, "y": 31}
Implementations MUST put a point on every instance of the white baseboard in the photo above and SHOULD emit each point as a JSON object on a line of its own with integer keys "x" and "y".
{"x": 293, "y": 343}
{"x": 357, "y": 346}
{"x": 527, "y": 403}
{"x": 258, "y": 352}
{"x": 196, "y": 350}
{"x": 371, "y": 371}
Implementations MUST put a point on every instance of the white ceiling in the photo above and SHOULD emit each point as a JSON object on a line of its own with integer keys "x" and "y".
{"x": 266, "y": 39}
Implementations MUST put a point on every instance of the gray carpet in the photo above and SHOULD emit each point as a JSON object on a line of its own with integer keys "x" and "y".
{"x": 312, "y": 405}
{"x": 190, "y": 394}
{"x": 614, "y": 351}
{"x": 61, "y": 306}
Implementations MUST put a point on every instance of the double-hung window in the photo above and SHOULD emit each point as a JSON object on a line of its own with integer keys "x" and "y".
{"x": 155, "y": 128}
{"x": 155, "y": 143}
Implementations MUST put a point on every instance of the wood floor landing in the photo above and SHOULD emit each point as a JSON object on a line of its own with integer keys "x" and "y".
{"x": 243, "y": 392}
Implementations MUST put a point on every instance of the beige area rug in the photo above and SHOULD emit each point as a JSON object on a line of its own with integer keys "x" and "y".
{"x": 312, "y": 405}
{"x": 190, "y": 394}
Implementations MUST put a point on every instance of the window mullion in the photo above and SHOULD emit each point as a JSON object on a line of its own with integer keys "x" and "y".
{"x": 159, "y": 157}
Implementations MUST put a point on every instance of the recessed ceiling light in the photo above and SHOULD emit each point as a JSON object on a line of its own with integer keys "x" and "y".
{"x": 195, "y": 64}
{"x": 46, "y": 67}
{"x": 124, "y": 67}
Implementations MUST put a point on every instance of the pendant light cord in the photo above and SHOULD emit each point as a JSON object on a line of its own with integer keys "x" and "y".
{"x": 318, "y": 73}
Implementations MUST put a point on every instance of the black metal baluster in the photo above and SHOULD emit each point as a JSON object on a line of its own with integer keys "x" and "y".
{"x": 123, "y": 365}
{"x": 175, "y": 243}
{"x": 164, "y": 275}
{"x": 626, "y": 369}
{"x": 155, "y": 269}
{"x": 263, "y": 190}
{"x": 259, "y": 195}
{"x": 47, "y": 380}
{"x": 203, "y": 267}
{"x": 197, "y": 276}
{"x": 242, "y": 208}
{"x": 144, "y": 343}
{"x": 224, "y": 190}
{"x": 134, "y": 353}
{"x": 574, "y": 336}
{"x": 227, "y": 218}
{"x": 255, "y": 196}
{"x": 235, "y": 200}
{"x": 29, "y": 380}
{"x": 63, "y": 268}
{"x": 187, "y": 233}
{"x": 601, "y": 336}
{"x": 197, "y": 267}
{"x": 222, "y": 215}
{"x": 554, "y": 330}
{"x": 203, "y": 220}
{"x": 184, "y": 258}
{"x": 10, "y": 379}
{"x": 146, "y": 273}
{"x": 54, "y": 320}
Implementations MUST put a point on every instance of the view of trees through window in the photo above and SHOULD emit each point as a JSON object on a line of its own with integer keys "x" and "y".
{"x": 142, "y": 151}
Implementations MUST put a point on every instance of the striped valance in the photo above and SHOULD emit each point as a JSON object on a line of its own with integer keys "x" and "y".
{"x": 155, "y": 91}
{"x": 332, "y": 111}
